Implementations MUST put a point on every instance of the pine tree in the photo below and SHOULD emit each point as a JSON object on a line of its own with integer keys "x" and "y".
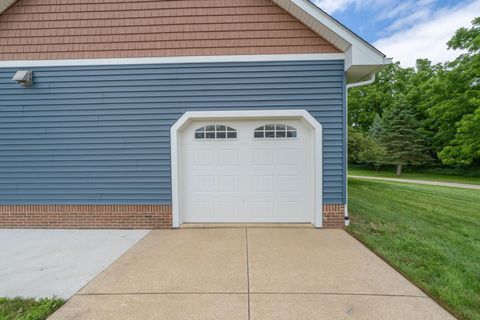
{"x": 376, "y": 129}
{"x": 405, "y": 145}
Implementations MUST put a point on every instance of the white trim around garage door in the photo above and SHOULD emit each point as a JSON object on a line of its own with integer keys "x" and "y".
{"x": 239, "y": 115}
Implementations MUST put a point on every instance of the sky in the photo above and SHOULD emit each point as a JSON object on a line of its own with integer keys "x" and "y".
{"x": 406, "y": 29}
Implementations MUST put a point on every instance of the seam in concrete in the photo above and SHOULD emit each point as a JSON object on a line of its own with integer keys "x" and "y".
{"x": 256, "y": 293}
{"x": 341, "y": 294}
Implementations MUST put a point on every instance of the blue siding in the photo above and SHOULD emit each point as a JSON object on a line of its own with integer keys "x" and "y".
{"x": 100, "y": 134}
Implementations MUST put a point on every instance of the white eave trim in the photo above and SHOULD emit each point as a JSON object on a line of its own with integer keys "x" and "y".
{"x": 165, "y": 60}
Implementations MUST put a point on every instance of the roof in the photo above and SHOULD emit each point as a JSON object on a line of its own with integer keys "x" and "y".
{"x": 362, "y": 60}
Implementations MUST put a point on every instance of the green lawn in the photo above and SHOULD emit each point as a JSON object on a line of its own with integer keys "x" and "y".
{"x": 28, "y": 309}
{"x": 414, "y": 176}
{"x": 430, "y": 234}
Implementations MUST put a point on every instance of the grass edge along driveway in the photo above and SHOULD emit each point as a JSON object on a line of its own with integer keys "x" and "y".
{"x": 428, "y": 233}
{"x": 27, "y": 308}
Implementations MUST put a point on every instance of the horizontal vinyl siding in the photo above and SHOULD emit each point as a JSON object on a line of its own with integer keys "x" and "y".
{"x": 100, "y": 134}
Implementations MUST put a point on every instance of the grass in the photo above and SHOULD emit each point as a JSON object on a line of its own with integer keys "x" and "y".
{"x": 431, "y": 234}
{"x": 28, "y": 309}
{"x": 414, "y": 176}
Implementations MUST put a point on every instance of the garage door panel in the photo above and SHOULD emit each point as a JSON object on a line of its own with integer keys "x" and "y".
{"x": 228, "y": 157}
{"x": 204, "y": 157}
{"x": 204, "y": 183}
{"x": 228, "y": 183}
{"x": 204, "y": 209}
{"x": 247, "y": 179}
{"x": 288, "y": 183}
{"x": 263, "y": 183}
{"x": 288, "y": 156}
{"x": 287, "y": 208}
{"x": 264, "y": 209}
{"x": 228, "y": 209}
{"x": 263, "y": 157}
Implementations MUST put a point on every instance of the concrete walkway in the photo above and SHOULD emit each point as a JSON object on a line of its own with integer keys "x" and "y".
{"x": 47, "y": 263}
{"x": 250, "y": 273}
{"x": 427, "y": 182}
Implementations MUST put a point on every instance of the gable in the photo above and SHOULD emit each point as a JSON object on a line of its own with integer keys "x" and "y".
{"x": 50, "y": 29}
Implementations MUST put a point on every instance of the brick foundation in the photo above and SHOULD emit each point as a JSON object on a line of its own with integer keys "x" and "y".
{"x": 333, "y": 216}
{"x": 114, "y": 216}
{"x": 86, "y": 216}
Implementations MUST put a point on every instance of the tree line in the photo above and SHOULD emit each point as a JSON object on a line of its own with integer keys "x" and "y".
{"x": 427, "y": 115}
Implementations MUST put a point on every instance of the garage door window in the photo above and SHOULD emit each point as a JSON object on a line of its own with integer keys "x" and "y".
{"x": 215, "y": 131}
{"x": 274, "y": 131}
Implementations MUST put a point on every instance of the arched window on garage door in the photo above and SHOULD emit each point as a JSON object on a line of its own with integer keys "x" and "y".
{"x": 274, "y": 131}
{"x": 215, "y": 131}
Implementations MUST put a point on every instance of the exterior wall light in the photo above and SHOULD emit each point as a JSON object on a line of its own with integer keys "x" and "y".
{"x": 24, "y": 77}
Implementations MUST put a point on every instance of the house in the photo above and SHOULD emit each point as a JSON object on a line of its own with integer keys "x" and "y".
{"x": 151, "y": 114}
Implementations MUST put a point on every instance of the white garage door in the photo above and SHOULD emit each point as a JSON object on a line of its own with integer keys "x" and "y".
{"x": 247, "y": 171}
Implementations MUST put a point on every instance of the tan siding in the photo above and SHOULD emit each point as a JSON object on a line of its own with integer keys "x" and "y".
{"x": 57, "y": 29}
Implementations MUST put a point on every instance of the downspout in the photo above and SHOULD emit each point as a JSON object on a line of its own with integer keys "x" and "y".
{"x": 352, "y": 85}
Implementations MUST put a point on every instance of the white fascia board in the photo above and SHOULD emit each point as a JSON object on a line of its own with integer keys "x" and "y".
{"x": 166, "y": 60}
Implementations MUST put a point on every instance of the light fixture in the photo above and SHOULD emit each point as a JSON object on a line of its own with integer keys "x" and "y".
{"x": 23, "y": 77}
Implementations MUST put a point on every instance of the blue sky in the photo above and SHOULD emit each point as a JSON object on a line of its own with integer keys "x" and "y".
{"x": 405, "y": 29}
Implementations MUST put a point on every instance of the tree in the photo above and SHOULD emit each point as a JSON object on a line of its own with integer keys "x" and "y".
{"x": 404, "y": 143}
{"x": 467, "y": 39}
{"x": 364, "y": 149}
{"x": 376, "y": 129}
{"x": 442, "y": 99}
{"x": 455, "y": 93}
{"x": 465, "y": 149}
{"x": 366, "y": 102}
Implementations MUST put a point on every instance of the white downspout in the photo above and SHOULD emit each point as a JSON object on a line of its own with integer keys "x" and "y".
{"x": 352, "y": 85}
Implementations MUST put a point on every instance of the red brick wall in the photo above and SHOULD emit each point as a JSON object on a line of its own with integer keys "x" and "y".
{"x": 333, "y": 216}
{"x": 86, "y": 216}
{"x": 114, "y": 216}
{"x": 69, "y": 29}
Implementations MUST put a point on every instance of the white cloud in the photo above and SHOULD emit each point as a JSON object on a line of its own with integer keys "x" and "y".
{"x": 396, "y": 9}
{"x": 333, "y": 6}
{"x": 427, "y": 37}
{"x": 405, "y": 14}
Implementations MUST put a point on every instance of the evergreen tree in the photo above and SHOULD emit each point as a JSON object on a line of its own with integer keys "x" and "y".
{"x": 376, "y": 130}
{"x": 404, "y": 144}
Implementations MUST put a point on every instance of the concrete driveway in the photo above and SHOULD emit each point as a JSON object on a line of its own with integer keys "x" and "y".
{"x": 45, "y": 263}
{"x": 250, "y": 273}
